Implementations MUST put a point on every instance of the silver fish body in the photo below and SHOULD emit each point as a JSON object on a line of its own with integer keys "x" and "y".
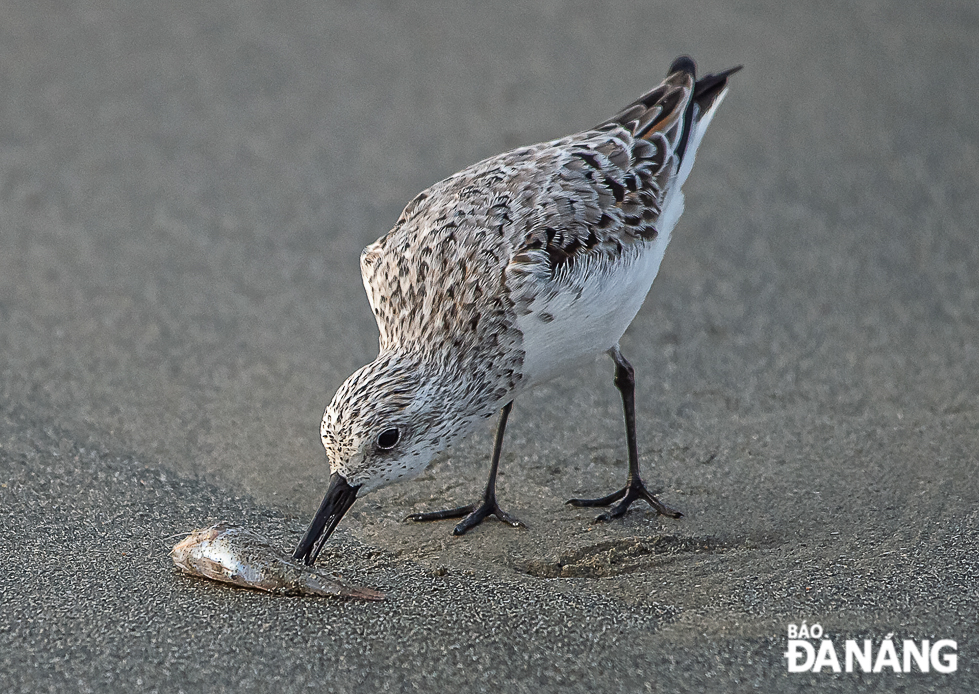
{"x": 233, "y": 554}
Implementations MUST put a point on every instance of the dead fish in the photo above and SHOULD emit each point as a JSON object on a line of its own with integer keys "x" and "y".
{"x": 232, "y": 554}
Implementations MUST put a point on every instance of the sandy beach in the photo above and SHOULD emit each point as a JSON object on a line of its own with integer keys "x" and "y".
{"x": 185, "y": 190}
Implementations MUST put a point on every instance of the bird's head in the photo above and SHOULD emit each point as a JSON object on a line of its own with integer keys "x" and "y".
{"x": 385, "y": 424}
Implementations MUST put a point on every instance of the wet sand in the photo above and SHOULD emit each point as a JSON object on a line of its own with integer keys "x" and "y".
{"x": 184, "y": 194}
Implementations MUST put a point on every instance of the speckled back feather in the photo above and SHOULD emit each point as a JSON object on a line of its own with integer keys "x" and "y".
{"x": 526, "y": 212}
{"x": 511, "y": 271}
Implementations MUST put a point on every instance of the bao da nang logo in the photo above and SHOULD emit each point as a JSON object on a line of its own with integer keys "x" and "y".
{"x": 808, "y": 651}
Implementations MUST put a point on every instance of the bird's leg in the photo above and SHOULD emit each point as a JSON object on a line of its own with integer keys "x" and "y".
{"x": 625, "y": 381}
{"x": 473, "y": 514}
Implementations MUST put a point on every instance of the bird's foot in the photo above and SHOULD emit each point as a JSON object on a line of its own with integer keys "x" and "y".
{"x": 472, "y": 515}
{"x": 634, "y": 491}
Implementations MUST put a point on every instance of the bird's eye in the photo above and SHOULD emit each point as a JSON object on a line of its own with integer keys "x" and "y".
{"x": 388, "y": 439}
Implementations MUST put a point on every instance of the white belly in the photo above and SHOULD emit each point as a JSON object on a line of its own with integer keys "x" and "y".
{"x": 587, "y": 316}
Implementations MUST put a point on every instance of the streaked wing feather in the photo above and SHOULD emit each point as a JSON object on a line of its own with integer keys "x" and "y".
{"x": 545, "y": 206}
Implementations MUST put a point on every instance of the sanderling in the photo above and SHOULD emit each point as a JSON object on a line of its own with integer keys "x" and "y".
{"x": 503, "y": 276}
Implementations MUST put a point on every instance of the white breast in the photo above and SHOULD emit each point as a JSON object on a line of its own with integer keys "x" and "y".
{"x": 585, "y": 311}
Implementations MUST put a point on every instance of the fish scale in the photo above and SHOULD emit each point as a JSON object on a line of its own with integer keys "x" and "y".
{"x": 232, "y": 554}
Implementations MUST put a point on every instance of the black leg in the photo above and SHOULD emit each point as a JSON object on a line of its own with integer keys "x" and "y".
{"x": 625, "y": 381}
{"x": 472, "y": 515}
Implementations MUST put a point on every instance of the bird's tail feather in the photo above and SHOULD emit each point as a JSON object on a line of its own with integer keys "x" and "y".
{"x": 679, "y": 108}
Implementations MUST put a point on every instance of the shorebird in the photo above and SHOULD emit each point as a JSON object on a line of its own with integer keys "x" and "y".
{"x": 503, "y": 276}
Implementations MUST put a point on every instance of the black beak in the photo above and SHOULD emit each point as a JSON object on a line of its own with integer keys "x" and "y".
{"x": 339, "y": 498}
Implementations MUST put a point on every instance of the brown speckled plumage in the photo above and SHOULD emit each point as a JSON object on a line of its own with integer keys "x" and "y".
{"x": 510, "y": 271}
